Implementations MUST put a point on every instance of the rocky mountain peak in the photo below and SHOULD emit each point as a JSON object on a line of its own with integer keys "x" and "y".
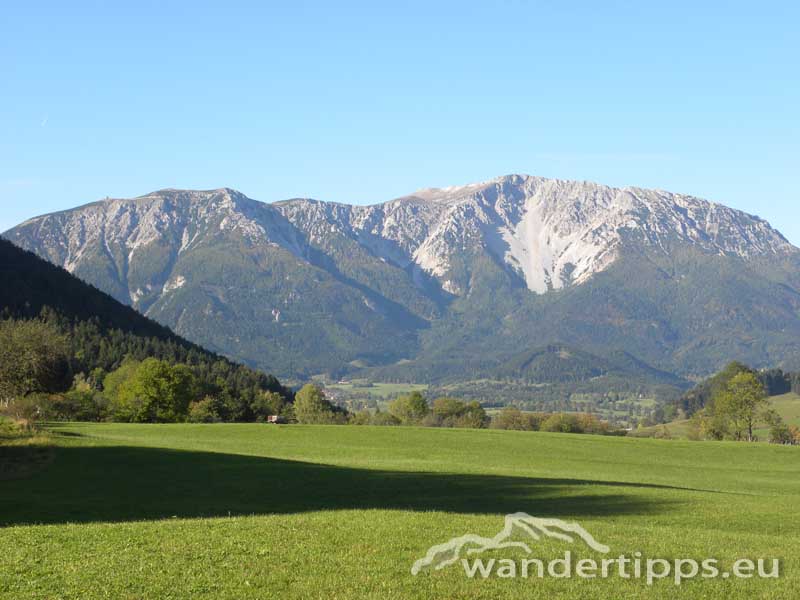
{"x": 550, "y": 233}
{"x": 554, "y": 233}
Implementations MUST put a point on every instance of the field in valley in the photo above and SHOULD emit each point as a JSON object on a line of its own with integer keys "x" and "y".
{"x": 379, "y": 390}
{"x": 259, "y": 511}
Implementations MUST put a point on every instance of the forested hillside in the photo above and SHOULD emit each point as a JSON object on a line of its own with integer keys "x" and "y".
{"x": 102, "y": 336}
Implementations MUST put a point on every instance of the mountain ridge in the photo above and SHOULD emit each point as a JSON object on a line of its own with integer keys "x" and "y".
{"x": 513, "y": 261}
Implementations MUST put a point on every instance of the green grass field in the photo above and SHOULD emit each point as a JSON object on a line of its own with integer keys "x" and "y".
{"x": 678, "y": 429}
{"x": 258, "y": 511}
{"x": 788, "y": 407}
{"x": 378, "y": 390}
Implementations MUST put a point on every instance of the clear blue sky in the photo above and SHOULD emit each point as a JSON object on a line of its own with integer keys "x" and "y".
{"x": 363, "y": 102}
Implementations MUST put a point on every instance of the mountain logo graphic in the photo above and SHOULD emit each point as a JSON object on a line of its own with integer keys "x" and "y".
{"x": 442, "y": 555}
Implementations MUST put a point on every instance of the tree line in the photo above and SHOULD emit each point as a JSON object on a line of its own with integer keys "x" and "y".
{"x": 312, "y": 407}
{"x": 53, "y": 367}
{"x": 732, "y": 404}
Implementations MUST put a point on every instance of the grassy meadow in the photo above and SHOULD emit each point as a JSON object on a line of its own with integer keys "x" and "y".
{"x": 788, "y": 407}
{"x": 257, "y": 511}
{"x": 378, "y": 389}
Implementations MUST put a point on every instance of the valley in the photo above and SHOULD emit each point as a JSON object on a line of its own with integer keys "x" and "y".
{"x": 399, "y": 301}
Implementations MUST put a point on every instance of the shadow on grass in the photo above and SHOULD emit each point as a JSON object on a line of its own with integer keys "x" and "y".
{"x": 121, "y": 483}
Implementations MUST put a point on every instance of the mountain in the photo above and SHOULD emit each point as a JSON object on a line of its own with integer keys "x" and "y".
{"x": 29, "y": 285}
{"x": 233, "y": 275}
{"x": 447, "y": 283}
{"x": 557, "y": 363}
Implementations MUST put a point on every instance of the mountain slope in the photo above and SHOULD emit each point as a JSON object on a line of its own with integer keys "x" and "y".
{"x": 561, "y": 364}
{"x": 103, "y": 332}
{"x": 230, "y": 273}
{"x": 28, "y": 284}
{"x": 447, "y": 282}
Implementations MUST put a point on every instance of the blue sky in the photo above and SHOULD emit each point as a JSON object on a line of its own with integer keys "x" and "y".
{"x": 363, "y": 102}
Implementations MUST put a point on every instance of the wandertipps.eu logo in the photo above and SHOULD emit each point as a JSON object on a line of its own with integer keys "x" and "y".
{"x": 522, "y": 524}
{"x": 521, "y": 532}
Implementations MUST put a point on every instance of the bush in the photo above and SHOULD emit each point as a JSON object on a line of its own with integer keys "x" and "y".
{"x": 362, "y": 417}
{"x": 450, "y": 412}
{"x": 780, "y": 434}
{"x": 448, "y": 407}
{"x": 27, "y": 411}
{"x": 434, "y": 420}
{"x": 152, "y": 391}
{"x": 409, "y": 409}
{"x": 267, "y": 404}
{"x": 561, "y": 422}
{"x": 589, "y": 423}
{"x": 794, "y": 431}
{"x": 204, "y": 411}
{"x": 662, "y": 433}
{"x": 34, "y": 358}
{"x": 709, "y": 427}
{"x": 513, "y": 418}
{"x": 472, "y": 419}
{"x": 384, "y": 418}
{"x": 78, "y": 405}
{"x": 311, "y": 407}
